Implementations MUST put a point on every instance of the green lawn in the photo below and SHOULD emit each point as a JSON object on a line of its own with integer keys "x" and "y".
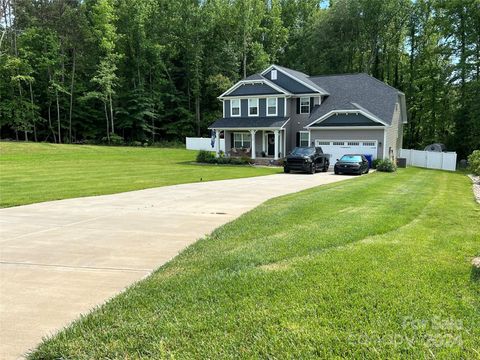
{"x": 32, "y": 172}
{"x": 377, "y": 267}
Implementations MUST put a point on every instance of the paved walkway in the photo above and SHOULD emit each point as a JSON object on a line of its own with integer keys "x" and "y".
{"x": 59, "y": 259}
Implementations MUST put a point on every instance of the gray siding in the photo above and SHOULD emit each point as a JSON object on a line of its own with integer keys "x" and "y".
{"x": 288, "y": 83}
{"x": 368, "y": 134}
{"x": 395, "y": 133}
{"x": 253, "y": 89}
{"x": 226, "y": 105}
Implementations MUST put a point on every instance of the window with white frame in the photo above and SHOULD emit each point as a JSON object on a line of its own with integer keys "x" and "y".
{"x": 252, "y": 107}
{"x": 304, "y": 105}
{"x": 242, "y": 140}
{"x": 274, "y": 74}
{"x": 272, "y": 106}
{"x": 303, "y": 139}
{"x": 235, "y": 107}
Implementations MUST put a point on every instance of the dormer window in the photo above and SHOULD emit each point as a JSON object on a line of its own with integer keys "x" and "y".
{"x": 272, "y": 106}
{"x": 252, "y": 107}
{"x": 304, "y": 105}
{"x": 235, "y": 107}
{"x": 274, "y": 74}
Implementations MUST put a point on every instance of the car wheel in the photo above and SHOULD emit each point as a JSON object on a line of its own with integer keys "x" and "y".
{"x": 336, "y": 172}
{"x": 313, "y": 169}
{"x": 286, "y": 170}
{"x": 325, "y": 168}
{"x": 366, "y": 171}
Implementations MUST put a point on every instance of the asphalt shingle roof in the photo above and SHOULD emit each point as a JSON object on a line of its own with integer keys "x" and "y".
{"x": 303, "y": 77}
{"x": 249, "y": 122}
{"x": 356, "y": 91}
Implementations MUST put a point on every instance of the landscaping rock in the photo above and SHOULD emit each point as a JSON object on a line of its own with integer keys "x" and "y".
{"x": 476, "y": 186}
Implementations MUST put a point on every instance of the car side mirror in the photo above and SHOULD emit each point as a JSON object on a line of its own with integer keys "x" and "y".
{"x": 338, "y": 160}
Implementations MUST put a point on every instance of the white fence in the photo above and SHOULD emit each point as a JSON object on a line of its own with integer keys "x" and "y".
{"x": 430, "y": 159}
{"x": 200, "y": 143}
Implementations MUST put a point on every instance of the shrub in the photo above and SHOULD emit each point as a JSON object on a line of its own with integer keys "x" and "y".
{"x": 204, "y": 156}
{"x": 474, "y": 162}
{"x": 375, "y": 163}
{"x": 386, "y": 165}
{"x": 113, "y": 139}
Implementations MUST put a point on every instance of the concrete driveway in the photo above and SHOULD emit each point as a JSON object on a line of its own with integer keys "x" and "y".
{"x": 59, "y": 259}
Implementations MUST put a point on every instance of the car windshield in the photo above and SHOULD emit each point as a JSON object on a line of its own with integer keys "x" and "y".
{"x": 303, "y": 151}
{"x": 351, "y": 158}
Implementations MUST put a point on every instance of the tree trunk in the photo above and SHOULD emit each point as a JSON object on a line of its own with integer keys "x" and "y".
{"x": 197, "y": 113}
{"x": 106, "y": 117}
{"x": 50, "y": 122}
{"x": 33, "y": 113}
{"x": 111, "y": 112}
{"x": 58, "y": 118}
{"x": 71, "y": 99}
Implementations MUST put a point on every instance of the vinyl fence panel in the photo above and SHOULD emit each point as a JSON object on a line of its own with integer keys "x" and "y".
{"x": 430, "y": 159}
{"x": 200, "y": 143}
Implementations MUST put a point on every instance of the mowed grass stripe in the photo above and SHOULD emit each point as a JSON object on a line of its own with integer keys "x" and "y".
{"x": 294, "y": 279}
{"x": 32, "y": 172}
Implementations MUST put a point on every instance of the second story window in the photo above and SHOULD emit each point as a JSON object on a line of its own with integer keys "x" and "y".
{"x": 235, "y": 107}
{"x": 272, "y": 106}
{"x": 252, "y": 107}
{"x": 304, "y": 105}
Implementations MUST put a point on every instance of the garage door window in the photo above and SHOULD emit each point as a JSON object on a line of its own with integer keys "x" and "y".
{"x": 303, "y": 139}
{"x": 338, "y": 143}
{"x": 368, "y": 143}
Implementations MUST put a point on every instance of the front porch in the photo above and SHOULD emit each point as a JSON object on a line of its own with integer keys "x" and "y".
{"x": 253, "y": 137}
{"x": 253, "y": 143}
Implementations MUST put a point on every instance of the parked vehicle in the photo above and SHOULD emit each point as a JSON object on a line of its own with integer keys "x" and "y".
{"x": 308, "y": 159}
{"x": 352, "y": 164}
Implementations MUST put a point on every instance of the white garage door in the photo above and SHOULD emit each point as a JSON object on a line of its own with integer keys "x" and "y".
{"x": 338, "y": 148}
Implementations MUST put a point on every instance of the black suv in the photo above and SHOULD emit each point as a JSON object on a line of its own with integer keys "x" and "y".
{"x": 308, "y": 159}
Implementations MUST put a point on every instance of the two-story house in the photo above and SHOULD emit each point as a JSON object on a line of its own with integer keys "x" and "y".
{"x": 267, "y": 114}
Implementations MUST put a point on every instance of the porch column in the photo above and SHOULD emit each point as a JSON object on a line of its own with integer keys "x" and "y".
{"x": 263, "y": 141}
{"x": 275, "y": 155}
{"x": 217, "y": 143}
{"x": 252, "y": 135}
{"x": 284, "y": 133}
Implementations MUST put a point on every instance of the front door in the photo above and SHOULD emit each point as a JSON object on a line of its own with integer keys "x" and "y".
{"x": 271, "y": 144}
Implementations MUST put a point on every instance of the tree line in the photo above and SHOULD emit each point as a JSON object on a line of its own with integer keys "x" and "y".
{"x": 133, "y": 71}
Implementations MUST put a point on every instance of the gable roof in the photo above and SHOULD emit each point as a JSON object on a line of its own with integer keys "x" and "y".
{"x": 256, "y": 79}
{"x": 356, "y": 92}
{"x": 300, "y": 77}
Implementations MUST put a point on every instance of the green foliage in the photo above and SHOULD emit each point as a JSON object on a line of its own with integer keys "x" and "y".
{"x": 110, "y": 66}
{"x": 204, "y": 156}
{"x": 474, "y": 162}
{"x": 208, "y": 157}
{"x": 375, "y": 163}
{"x": 386, "y": 165}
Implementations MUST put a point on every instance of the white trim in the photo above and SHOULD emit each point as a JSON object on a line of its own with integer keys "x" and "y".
{"x": 284, "y": 106}
{"x": 300, "y": 107}
{"x": 251, "y": 107}
{"x": 258, "y": 81}
{"x": 247, "y": 129}
{"x": 384, "y": 142}
{"x": 286, "y": 122}
{"x": 313, "y": 128}
{"x": 223, "y": 108}
{"x": 330, "y": 113}
{"x": 276, "y": 107}
{"x": 239, "y": 108}
{"x": 273, "y": 74}
{"x": 347, "y": 141}
{"x": 294, "y": 78}
{"x": 300, "y": 138}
